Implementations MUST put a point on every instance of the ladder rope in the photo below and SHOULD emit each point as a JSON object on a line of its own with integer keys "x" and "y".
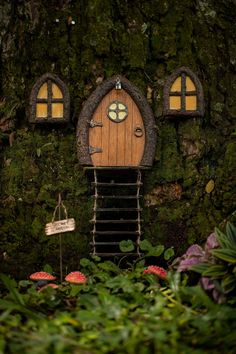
{"x": 95, "y": 212}
{"x": 139, "y": 213}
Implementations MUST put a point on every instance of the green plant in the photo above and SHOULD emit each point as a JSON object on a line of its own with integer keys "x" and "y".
{"x": 219, "y": 269}
{"x": 118, "y": 311}
{"x": 147, "y": 248}
{"x": 216, "y": 263}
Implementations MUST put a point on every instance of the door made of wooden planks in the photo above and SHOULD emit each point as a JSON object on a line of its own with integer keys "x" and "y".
{"x": 116, "y": 133}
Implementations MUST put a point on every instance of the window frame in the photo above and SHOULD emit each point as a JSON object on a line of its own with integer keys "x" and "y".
{"x": 49, "y": 79}
{"x": 183, "y": 72}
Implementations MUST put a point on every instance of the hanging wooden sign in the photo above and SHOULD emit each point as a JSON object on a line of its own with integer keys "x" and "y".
{"x": 60, "y": 226}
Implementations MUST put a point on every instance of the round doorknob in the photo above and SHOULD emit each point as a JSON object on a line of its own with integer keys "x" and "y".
{"x": 138, "y": 131}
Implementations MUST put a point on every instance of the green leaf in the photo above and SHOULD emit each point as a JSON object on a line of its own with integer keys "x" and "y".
{"x": 222, "y": 238}
{"x": 109, "y": 266}
{"x": 25, "y": 283}
{"x": 96, "y": 258}
{"x": 231, "y": 233}
{"x": 47, "y": 268}
{"x": 75, "y": 290}
{"x": 85, "y": 262}
{"x": 10, "y": 284}
{"x": 200, "y": 268}
{"x": 228, "y": 255}
{"x": 126, "y": 246}
{"x": 215, "y": 270}
{"x": 197, "y": 296}
{"x": 156, "y": 251}
{"x": 38, "y": 152}
{"x": 169, "y": 252}
{"x": 228, "y": 283}
{"x": 145, "y": 245}
{"x": 13, "y": 306}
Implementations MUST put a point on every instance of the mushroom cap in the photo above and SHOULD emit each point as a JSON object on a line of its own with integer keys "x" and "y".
{"x": 49, "y": 285}
{"x": 159, "y": 271}
{"x": 76, "y": 278}
{"x": 41, "y": 276}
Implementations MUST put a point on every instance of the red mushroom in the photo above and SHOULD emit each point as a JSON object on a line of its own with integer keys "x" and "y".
{"x": 49, "y": 285}
{"x": 76, "y": 278}
{"x": 41, "y": 276}
{"x": 160, "y": 272}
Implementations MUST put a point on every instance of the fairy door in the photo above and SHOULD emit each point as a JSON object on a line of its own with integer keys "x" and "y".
{"x": 116, "y": 127}
{"x": 116, "y": 133}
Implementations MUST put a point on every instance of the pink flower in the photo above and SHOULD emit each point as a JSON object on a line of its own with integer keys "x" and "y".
{"x": 160, "y": 272}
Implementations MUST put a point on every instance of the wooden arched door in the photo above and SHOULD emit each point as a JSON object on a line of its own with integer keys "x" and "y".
{"x": 116, "y": 132}
{"x": 116, "y": 127}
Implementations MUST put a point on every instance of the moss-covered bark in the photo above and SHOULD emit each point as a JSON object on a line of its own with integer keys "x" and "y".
{"x": 144, "y": 41}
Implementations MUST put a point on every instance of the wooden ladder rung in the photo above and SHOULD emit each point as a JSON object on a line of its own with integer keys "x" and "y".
{"x": 98, "y": 243}
{"x": 116, "y": 254}
{"x": 118, "y": 209}
{"x": 115, "y": 232}
{"x": 114, "y": 184}
{"x": 117, "y": 196}
{"x": 114, "y": 221}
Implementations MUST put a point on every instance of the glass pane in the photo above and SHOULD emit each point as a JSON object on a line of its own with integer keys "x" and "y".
{"x": 112, "y": 106}
{"x": 121, "y": 106}
{"x": 190, "y": 103}
{"x": 112, "y": 115}
{"x": 122, "y": 115}
{"x": 176, "y": 87}
{"x": 43, "y": 91}
{"x": 189, "y": 84}
{"x": 175, "y": 102}
{"x": 57, "y": 110}
{"x": 56, "y": 92}
{"x": 41, "y": 110}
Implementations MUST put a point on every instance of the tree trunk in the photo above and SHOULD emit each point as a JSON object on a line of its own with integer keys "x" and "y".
{"x": 85, "y": 42}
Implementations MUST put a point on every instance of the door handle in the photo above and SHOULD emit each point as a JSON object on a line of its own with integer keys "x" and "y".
{"x": 138, "y": 131}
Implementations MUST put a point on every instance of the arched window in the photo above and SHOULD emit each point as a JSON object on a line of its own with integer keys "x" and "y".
{"x": 49, "y": 101}
{"x": 183, "y": 94}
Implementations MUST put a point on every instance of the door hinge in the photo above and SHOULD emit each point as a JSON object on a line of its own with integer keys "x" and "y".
{"x": 94, "y": 123}
{"x": 94, "y": 150}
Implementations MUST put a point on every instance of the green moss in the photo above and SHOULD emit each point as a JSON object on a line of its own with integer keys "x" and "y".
{"x": 144, "y": 41}
{"x": 170, "y": 167}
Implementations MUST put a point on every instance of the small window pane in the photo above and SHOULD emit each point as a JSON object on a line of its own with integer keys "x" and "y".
{"x": 43, "y": 91}
{"x": 175, "y": 102}
{"x": 176, "y": 87}
{"x": 112, "y": 115}
{"x": 121, "y": 106}
{"x": 41, "y": 110}
{"x": 113, "y": 106}
{"x": 57, "y": 110}
{"x": 122, "y": 115}
{"x": 189, "y": 84}
{"x": 191, "y": 103}
{"x": 56, "y": 92}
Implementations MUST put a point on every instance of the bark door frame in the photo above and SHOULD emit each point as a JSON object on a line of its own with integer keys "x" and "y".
{"x": 83, "y": 125}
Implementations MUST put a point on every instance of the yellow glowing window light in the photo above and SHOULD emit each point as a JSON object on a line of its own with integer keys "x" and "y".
{"x": 183, "y": 94}
{"x": 49, "y": 102}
